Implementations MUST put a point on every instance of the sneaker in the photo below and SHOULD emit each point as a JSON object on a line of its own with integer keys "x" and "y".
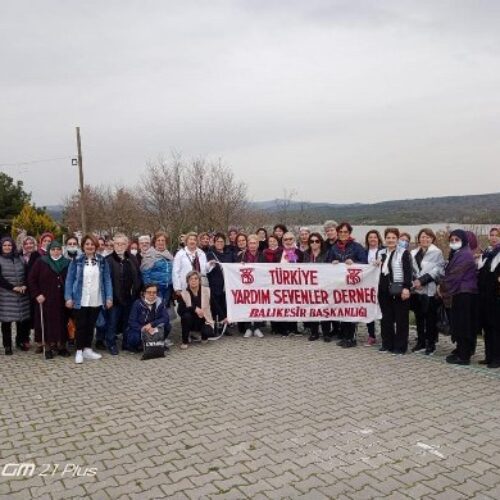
{"x": 418, "y": 348}
{"x": 184, "y": 346}
{"x": 113, "y": 350}
{"x": 370, "y": 341}
{"x": 88, "y": 353}
{"x": 248, "y": 334}
{"x": 258, "y": 333}
{"x": 8, "y": 351}
{"x": 79, "y": 357}
{"x": 168, "y": 343}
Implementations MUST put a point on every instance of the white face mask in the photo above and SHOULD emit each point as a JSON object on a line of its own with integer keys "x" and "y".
{"x": 149, "y": 302}
{"x": 456, "y": 246}
{"x": 56, "y": 258}
{"x": 133, "y": 251}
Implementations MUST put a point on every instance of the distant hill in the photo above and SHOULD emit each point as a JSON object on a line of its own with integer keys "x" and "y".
{"x": 473, "y": 209}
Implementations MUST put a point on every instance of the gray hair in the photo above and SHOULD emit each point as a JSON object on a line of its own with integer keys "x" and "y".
{"x": 329, "y": 224}
{"x": 144, "y": 238}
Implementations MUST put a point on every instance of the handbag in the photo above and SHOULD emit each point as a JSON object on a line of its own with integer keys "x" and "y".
{"x": 443, "y": 323}
{"x": 395, "y": 289}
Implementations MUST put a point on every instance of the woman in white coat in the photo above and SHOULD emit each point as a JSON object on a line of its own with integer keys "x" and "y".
{"x": 187, "y": 259}
{"x": 428, "y": 267}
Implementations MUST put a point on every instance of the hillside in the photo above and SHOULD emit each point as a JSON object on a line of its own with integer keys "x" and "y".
{"x": 473, "y": 209}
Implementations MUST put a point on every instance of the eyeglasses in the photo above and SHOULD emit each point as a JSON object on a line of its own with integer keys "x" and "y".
{"x": 314, "y": 241}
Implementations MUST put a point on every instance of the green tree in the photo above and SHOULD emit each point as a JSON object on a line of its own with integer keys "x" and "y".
{"x": 34, "y": 221}
{"x": 12, "y": 199}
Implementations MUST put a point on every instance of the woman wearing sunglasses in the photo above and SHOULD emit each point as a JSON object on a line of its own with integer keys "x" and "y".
{"x": 316, "y": 254}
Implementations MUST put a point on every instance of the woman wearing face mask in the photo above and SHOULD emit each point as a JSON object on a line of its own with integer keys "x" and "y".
{"x": 87, "y": 290}
{"x": 394, "y": 293}
{"x": 428, "y": 268}
{"x": 346, "y": 250}
{"x": 147, "y": 314}
{"x": 46, "y": 286}
{"x": 72, "y": 249}
{"x": 489, "y": 299}
{"x": 373, "y": 246}
{"x": 218, "y": 254}
{"x": 459, "y": 289}
{"x": 133, "y": 248}
{"x": 45, "y": 241}
{"x": 14, "y": 299}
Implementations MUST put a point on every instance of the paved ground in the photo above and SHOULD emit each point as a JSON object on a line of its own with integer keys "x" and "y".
{"x": 251, "y": 418}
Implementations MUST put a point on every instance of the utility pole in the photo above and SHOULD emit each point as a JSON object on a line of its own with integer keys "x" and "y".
{"x": 82, "y": 186}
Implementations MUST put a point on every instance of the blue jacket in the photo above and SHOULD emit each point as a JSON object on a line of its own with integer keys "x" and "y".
{"x": 74, "y": 280}
{"x": 160, "y": 273}
{"x": 141, "y": 315}
{"x": 353, "y": 251}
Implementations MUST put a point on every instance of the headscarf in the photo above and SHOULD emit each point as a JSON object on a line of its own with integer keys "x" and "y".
{"x": 462, "y": 236}
{"x": 13, "y": 252}
{"x": 59, "y": 265}
{"x": 41, "y": 250}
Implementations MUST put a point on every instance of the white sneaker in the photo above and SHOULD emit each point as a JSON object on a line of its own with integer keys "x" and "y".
{"x": 88, "y": 353}
{"x": 258, "y": 333}
{"x": 168, "y": 343}
{"x": 79, "y": 357}
{"x": 248, "y": 334}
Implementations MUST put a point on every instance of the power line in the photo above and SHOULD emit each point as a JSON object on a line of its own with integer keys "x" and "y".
{"x": 20, "y": 163}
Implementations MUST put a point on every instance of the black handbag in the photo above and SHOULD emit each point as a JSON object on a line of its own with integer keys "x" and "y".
{"x": 443, "y": 323}
{"x": 395, "y": 289}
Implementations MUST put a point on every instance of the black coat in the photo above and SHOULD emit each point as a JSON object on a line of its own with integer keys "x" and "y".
{"x": 125, "y": 278}
{"x": 215, "y": 276}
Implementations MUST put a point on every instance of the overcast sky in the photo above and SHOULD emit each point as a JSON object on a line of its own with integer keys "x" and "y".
{"x": 340, "y": 101}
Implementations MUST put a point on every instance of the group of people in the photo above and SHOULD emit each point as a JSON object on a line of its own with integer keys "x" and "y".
{"x": 131, "y": 287}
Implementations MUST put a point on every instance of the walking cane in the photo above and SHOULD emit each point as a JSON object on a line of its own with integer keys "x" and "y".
{"x": 43, "y": 330}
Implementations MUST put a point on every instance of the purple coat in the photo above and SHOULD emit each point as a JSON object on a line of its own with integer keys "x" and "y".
{"x": 460, "y": 275}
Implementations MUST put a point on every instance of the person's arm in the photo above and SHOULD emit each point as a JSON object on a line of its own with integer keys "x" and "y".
{"x": 33, "y": 279}
{"x": 162, "y": 319}
{"x": 176, "y": 271}
{"x": 70, "y": 278}
{"x": 4, "y": 283}
{"x": 133, "y": 319}
{"x": 108, "y": 286}
{"x": 407, "y": 270}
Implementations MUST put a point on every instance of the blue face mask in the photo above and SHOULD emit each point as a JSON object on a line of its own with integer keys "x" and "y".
{"x": 403, "y": 244}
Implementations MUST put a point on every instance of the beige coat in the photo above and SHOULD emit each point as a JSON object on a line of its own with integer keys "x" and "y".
{"x": 205, "y": 303}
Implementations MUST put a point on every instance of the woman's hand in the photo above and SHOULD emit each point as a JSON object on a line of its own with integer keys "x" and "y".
{"x": 417, "y": 285}
{"x": 40, "y": 299}
{"x": 199, "y": 312}
{"x": 405, "y": 294}
{"x": 335, "y": 261}
{"x": 109, "y": 304}
{"x": 69, "y": 304}
{"x": 349, "y": 262}
{"x": 147, "y": 328}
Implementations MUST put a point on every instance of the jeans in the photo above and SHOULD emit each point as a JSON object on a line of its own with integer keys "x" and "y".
{"x": 116, "y": 316}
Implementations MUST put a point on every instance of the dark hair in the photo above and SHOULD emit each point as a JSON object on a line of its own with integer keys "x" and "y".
{"x": 280, "y": 226}
{"x": 321, "y": 241}
{"x": 92, "y": 238}
{"x": 218, "y": 236}
{"x": 429, "y": 232}
{"x": 494, "y": 229}
{"x": 71, "y": 238}
{"x": 239, "y": 235}
{"x": 405, "y": 234}
{"x": 393, "y": 230}
{"x": 377, "y": 234}
{"x": 346, "y": 225}
{"x": 274, "y": 237}
{"x": 262, "y": 229}
{"x": 150, "y": 285}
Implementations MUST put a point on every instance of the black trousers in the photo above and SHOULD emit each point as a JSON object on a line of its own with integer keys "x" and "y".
{"x": 314, "y": 327}
{"x": 22, "y": 335}
{"x": 218, "y": 306}
{"x": 425, "y": 309}
{"x": 371, "y": 329}
{"x": 191, "y": 322}
{"x": 395, "y": 323}
{"x": 490, "y": 322}
{"x": 463, "y": 324}
{"x": 85, "y": 319}
{"x": 330, "y": 328}
{"x": 347, "y": 330}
